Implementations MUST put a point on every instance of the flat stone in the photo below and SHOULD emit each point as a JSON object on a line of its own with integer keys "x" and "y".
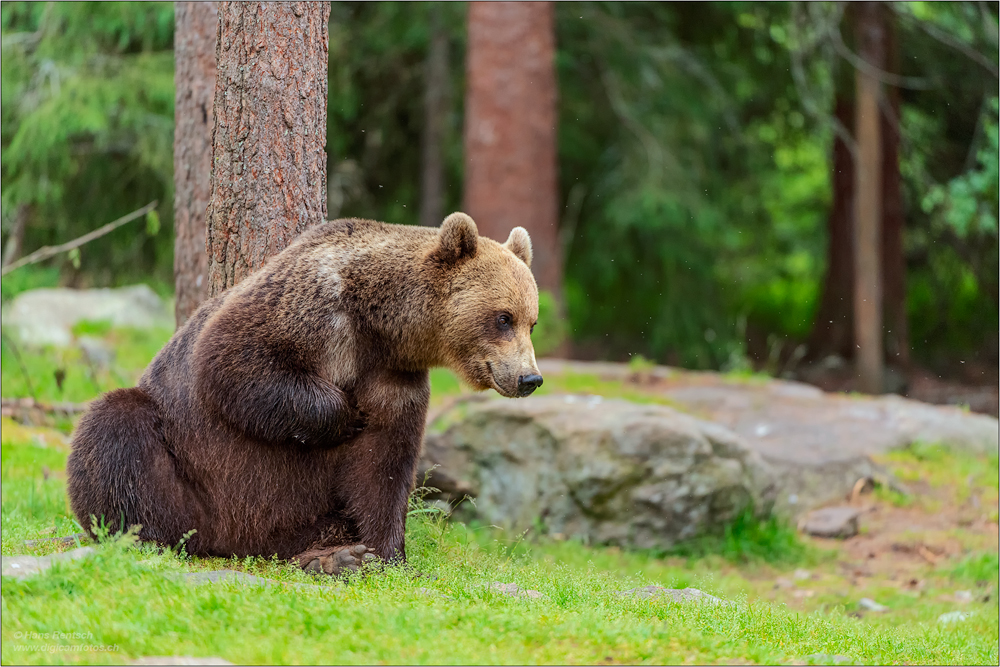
{"x": 675, "y": 594}
{"x": 870, "y": 605}
{"x": 954, "y": 617}
{"x": 21, "y": 567}
{"x": 839, "y": 522}
{"x": 179, "y": 660}
{"x": 516, "y": 591}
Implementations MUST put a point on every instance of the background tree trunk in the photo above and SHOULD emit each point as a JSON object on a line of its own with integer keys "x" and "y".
{"x": 435, "y": 113}
{"x": 833, "y": 331}
{"x": 195, "y": 28}
{"x": 868, "y": 202}
{"x": 897, "y": 346}
{"x": 269, "y": 155}
{"x": 510, "y": 128}
{"x": 15, "y": 240}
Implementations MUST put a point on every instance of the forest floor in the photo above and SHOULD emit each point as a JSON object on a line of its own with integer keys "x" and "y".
{"x": 886, "y": 596}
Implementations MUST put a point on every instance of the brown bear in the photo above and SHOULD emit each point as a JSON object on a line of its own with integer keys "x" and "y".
{"x": 286, "y": 416}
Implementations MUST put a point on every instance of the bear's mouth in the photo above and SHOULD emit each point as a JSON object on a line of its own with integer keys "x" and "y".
{"x": 495, "y": 384}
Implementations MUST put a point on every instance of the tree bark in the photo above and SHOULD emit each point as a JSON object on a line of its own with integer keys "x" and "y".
{"x": 435, "y": 115}
{"x": 195, "y": 28}
{"x": 15, "y": 240}
{"x": 269, "y": 155}
{"x": 510, "y": 128}
{"x": 897, "y": 346}
{"x": 868, "y": 203}
{"x": 833, "y": 331}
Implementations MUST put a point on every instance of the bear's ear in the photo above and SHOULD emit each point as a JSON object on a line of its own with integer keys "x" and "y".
{"x": 519, "y": 243}
{"x": 459, "y": 238}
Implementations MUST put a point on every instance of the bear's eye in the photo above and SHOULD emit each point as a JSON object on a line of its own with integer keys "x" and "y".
{"x": 532, "y": 329}
{"x": 504, "y": 321}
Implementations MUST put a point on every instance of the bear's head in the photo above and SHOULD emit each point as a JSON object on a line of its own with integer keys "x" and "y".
{"x": 491, "y": 307}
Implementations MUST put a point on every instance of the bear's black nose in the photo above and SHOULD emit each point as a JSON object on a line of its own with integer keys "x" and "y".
{"x": 527, "y": 384}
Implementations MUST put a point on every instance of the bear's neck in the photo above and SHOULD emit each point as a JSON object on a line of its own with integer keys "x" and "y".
{"x": 400, "y": 310}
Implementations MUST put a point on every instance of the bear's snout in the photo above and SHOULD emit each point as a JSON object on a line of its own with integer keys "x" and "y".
{"x": 526, "y": 384}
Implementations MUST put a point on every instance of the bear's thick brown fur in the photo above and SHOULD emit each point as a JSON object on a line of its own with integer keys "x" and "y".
{"x": 286, "y": 416}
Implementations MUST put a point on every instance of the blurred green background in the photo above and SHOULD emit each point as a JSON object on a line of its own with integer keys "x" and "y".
{"x": 694, "y": 159}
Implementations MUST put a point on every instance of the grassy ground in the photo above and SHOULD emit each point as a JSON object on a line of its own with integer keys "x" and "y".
{"x": 796, "y": 600}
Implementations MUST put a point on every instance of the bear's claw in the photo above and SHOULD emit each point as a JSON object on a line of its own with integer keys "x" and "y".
{"x": 337, "y": 560}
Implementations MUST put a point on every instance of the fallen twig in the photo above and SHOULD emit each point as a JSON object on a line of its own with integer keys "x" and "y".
{"x": 51, "y": 251}
{"x": 20, "y": 409}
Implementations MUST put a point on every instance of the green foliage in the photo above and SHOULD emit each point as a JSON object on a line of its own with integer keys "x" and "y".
{"x": 27, "y": 278}
{"x": 750, "y": 538}
{"x": 977, "y": 568}
{"x": 694, "y": 146}
{"x": 550, "y": 330}
{"x": 88, "y": 128}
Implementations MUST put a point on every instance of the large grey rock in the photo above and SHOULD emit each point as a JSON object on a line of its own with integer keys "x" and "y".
{"x": 608, "y": 471}
{"x": 47, "y": 316}
{"x": 819, "y": 443}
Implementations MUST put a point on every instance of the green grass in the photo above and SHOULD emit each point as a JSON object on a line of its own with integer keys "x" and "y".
{"x": 128, "y": 597}
{"x": 125, "y": 596}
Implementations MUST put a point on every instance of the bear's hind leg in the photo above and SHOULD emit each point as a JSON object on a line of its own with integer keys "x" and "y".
{"x": 121, "y": 472}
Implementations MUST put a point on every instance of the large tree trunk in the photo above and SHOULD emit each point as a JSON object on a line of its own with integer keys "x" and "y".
{"x": 868, "y": 202}
{"x": 897, "y": 345}
{"x": 195, "y": 28}
{"x": 435, "y": 115}
{"x": 833, "y": 331}
{"x": 510, "y": 128}
{"x": 269, "y": 155}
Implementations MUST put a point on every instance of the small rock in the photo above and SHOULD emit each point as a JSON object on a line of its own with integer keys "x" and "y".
{"x": 516, "y": 591}
{"x": 178, "y": 660}
{"x": 871, "y": 605}
{"x": 782, "y": 582}
{"x": 963, "y": 596}
{"x": 801, "y": 574}
{"x": 676, "y": 594}
{"x": 954, "y": 616}
{"x": 829, "y": 659}
{"x": 803, "y": 594}
{"x": 839, "y": 522}
{"x": 22, "y": 567}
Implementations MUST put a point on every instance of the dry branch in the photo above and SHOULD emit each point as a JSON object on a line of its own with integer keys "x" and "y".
{"x": 51, "y": 251}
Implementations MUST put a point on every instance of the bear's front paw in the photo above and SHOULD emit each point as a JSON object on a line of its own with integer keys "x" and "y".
{"x": 336, "y": 560}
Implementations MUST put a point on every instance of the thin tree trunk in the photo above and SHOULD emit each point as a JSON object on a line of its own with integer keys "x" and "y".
{"x": 15, "y": 240}
{"x": 510, "y": 128}
{"x": 435, "y": 112}
{"x": 868, "y": 203}
{"x": 897, "y": 346}
{"x": 833, "y": 331}
{"x": 269, "y": 155}
{"x": 195, "y": 28}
